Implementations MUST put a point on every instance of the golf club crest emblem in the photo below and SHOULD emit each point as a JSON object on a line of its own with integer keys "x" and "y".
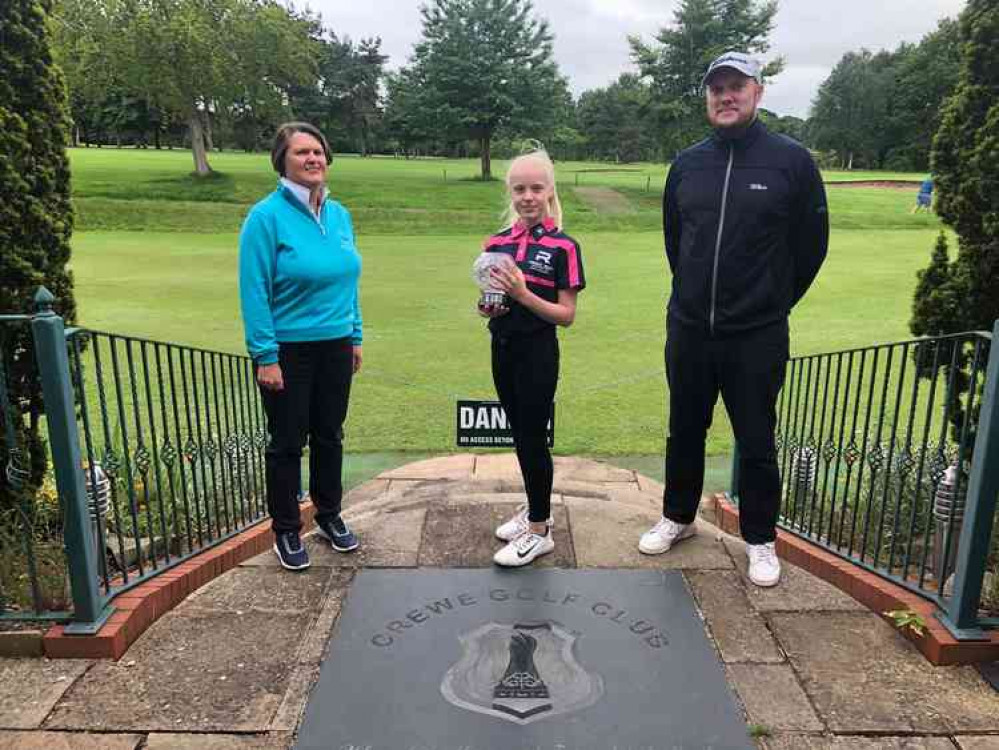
{"x": 521, "y": 673}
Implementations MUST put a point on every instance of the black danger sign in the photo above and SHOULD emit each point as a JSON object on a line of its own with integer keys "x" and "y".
{"x": 484, "y": 424}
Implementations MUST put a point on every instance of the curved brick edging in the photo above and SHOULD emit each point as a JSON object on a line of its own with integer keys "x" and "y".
{"x": 138, "y": 608}
{"x": 880, "y": 596}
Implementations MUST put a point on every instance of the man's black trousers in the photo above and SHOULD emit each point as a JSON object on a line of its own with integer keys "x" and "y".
{"x": 525, "y": 371}
{"x": 313, "y": 406}
{"x": 748, "y": 370}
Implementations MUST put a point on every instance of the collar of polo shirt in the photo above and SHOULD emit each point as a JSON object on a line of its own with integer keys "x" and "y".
{"x": 520, "y": 228}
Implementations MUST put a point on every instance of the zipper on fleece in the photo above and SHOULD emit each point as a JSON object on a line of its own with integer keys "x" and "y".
{"x": 308, "y": 210}
{"x": 718, "y": 239}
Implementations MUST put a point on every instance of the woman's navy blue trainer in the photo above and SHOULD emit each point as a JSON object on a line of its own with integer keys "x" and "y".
{"x": 290, "y": 551}
{"x": 341, "y": 538}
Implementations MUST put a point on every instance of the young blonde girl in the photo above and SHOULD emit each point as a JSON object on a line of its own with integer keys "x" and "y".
{"x": 541, "y": 286}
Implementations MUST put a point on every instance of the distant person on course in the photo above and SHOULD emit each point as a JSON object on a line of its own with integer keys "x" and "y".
{"x": 298, "y": 285}
{"x": 924, "y": 198}
{"x": 542, "y": 285}
{"x": 746, "y": 230}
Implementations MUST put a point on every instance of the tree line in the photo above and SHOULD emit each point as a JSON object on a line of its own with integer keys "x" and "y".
{"x": 209, "y": 74}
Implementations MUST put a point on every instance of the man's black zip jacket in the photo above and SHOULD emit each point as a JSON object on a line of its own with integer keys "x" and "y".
{"x": 746, "y": 229}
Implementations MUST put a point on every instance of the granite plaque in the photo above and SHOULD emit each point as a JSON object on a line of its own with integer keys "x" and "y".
{"x": 535, "y": 659}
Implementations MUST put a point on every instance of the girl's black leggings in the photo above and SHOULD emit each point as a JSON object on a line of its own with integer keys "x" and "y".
{"x": 525, "y": 371}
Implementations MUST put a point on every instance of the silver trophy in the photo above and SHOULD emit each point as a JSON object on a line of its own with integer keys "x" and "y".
{"x": 491, "y": 295}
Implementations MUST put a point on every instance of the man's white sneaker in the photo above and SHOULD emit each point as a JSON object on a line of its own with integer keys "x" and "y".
{"x": 661, "y": 537}
{"x": 524, "y": 549}
{"x": 517, "y": 526}
{"x": 764, "y": 567}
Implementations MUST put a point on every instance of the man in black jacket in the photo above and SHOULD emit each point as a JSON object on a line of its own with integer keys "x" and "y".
{"x": 746, "y": 230}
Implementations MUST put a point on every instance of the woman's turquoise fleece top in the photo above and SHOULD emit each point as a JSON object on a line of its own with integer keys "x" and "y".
{"x": 298, "y": 275}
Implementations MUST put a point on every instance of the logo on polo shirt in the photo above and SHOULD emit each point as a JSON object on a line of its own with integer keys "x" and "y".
{"x": 542, "y": 262}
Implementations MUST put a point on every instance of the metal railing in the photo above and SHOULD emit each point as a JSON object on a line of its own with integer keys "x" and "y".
{"x": 888, "y": 459}
{"x": 157, "y": 452}
{"x": 33, "y": 568}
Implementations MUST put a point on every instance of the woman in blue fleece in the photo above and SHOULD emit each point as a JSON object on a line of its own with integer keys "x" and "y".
{"x": 298, "y": 274}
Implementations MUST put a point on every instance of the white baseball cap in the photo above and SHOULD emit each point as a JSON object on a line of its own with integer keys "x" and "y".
{"x": 739, "y": 61}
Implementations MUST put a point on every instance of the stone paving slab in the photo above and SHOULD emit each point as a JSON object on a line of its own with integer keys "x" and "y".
{"x": 68, "y": 741}
{"x": 401, "y": 489}
{"x": 261, "y": 589}
{"x": 388, "y": 540}
{"x": 584, "y": 489}
{"x": 29, "y": 688}
{"x": 300, "y": 685}
{"x": 982, "y": 742}
{"x": 479, "y": 485}
{"x": 165, "y": 741}
{"x": 740, "y": 634}
{"x": 505, "y": 466}
{"x": 587, "y": 470}
{"x": 406, "y": 487}
{"x": 498, "y": 466}
{"x": 463, "y": 536}
{"x": 515, "y": 499}
{"x": 805, "y": 742}
{"x": 772, "y": 697}
{"x": 650, "y": 487}
{"x": 220, "y": 672}
{"x": 862, "y": 676}
{"x": 798, "y": 591}
{"x": 397, "y": 501}
{"x": 630, "y": 495}
{"x": 445, "y": 467}
{"x": 366, "y": 492}
{"x": 313, "y": 647}
{"x": 610, "y": 540}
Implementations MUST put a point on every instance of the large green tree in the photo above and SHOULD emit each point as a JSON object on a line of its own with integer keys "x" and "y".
{"x": 882, "y": 109}
{"x": 788, "y": 125}
{"x": 345, "y": 101}
{"x": 851, "y": 114}
{"x": 924, "y": 78}
{"x": 614, "y": 120}
{"x": 965, "y": 162}
{"x": 675, "y": 62}
{"x": 963, "y": 294}
{"x": 195, "y": 61}
{"x": 36, "y": 217}
{"x": 480, "y": 65}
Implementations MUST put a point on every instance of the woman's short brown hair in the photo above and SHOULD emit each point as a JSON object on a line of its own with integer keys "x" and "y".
{"x": 283, "y": 137}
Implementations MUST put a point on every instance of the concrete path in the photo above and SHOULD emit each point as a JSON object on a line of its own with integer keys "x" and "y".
{"x": 232, "y": 667}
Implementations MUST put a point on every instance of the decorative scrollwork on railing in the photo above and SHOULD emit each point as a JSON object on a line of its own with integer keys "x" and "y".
{"x": 876, "y": 457}
{"x": 829, "y": 451}
{"x": 142, "y": 459}
{"x": 852, "y": 453}
{"x": 168, "y": 454}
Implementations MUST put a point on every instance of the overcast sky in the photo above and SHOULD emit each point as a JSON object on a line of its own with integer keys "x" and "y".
{"x": 591, "y": 36}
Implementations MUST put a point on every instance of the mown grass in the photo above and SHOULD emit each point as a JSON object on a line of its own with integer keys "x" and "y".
{"x": 153, "y": 191}
{"x": 155, "y": 255}
{"x": 425, "y": 347}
